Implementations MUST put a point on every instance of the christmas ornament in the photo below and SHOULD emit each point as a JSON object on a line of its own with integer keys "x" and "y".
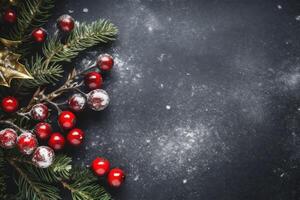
{"x": 77, "y": 102}
{"x": 26, "y": 143}
{"x": 105, "y": 62}
{"x": 39, "y": 112}
{"x": 56, "y": 141}
{"x": 65, "y": 23}
{"x": 10, "y": 68}
{"x": 10, "y": 16}
{"x": 9, "y": 104}
{"x": 66, "y": 120}
{"x": 43, "y": 130}
{"x": 93, "y": 80}
{"x": 75, "y": 136}
{"x": 8, "y": 138}
{"x": 100, "y": 166}
{"x": 97, "y": 99}
{"x": 39, "y": 35}
{"x": 116, "y": 177}
{"x": 43, "y": 157}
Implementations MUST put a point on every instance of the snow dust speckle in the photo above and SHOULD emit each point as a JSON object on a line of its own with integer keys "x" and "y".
{"x": 168, "y": 107}
{"x": 184, "y": 181}
{"x": 85, "y": 10}
{"x": 279, "y": 7}
{"x": 297, "y": 18}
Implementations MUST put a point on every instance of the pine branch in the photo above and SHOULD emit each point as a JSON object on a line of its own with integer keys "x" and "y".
{"x": 30, "y": 187}
{"x": 85, "y": 186}
{"x": 43, "y": 74}
{"x": 83, "y": 37}
{"x": 32, "y": 14}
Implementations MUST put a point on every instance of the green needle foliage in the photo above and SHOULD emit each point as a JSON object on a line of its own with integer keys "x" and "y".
{"x": 31, "y": 14}
{"x": 46, "y": 67}
{"x": 83, "y": 37}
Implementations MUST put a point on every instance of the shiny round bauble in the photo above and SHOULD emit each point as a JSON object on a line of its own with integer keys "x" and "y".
{"x": 10, "y": 16}
{"x": 56, "y": 141}
{"x": 93, "y": 80}
{"x": 39, "y": 35}
{"x": 65, "y": 23}
{"x": 100, "y": 166}
{"x": 75, "y": 137}
{"x": 66, "y": 120}
{"x": 115, "y": 177}
{"x": 9, "y": 104}
{"x": 43, "y": 130}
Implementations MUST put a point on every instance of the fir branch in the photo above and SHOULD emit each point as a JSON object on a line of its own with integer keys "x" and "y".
{"x": 83, "y": 37}
{"x": 43, "y": 74}
{"x": 30, "y": 187}
{"x": 85, "y": 186}
{"x": 32, "y": 14}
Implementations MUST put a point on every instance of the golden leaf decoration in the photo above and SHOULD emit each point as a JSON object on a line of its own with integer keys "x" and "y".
{"x": 11, "y": 68}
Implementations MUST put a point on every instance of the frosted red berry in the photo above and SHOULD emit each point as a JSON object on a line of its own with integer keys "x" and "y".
{"x": 65, "y": 23}
{"x": 77, "y": 102}
{"x": 43, "y": 157}
{"x": 93, "y": 80}
{"x": 56, "y": 141}
{"x": 10, "y": 16}
{"x": 39, "y": 35}
{"x": 27, "y": 143}
{"x": 100, "y": 166}
{"x": 39, "y": 112}
{"x": 75, "y": 137}
{"x": 43, "y": 130}
{"x": 9, "y": 104}
{"x": 116, "y": 177}
{"x": 105, "y": 62}
{"x": 66, "y": 120}
{"x": 8, "y": 138}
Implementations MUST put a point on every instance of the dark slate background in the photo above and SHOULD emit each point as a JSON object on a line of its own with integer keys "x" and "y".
{"x": 204, "y": 98}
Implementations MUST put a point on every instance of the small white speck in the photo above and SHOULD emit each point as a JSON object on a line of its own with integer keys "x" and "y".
{"x": 298, "y": 109}
{"x": 188, "y": 74}
{"x": 298, "y": 18}
{"x": 71, "y": 11}
{"x": 148, "y": 141}
{"x": 279, "y": 7}
{"x": 168, "y": 107}
{"x": 161, "y": 85}
{"x": 136, "y": 178}
{"x": 85, "y": 10}
{"x": 184, "y": 181}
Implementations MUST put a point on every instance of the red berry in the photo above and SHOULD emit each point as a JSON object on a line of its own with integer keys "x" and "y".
{"x": 43, "y": 130}
{"x": 39, "y": 35}
{"x": 93, "y": 80}
{"x": 75, "y": 136}
{"x": 27, "y": 143}
{"x": 8, "y": 138}
{"x": 100, "y": 166}
{"x": 77, "y": 102}
{"x": 65, "y": 23}
{"x": 66, "y": 120}
{"x": 105, "y": 62}
{"x": 10, "y": 104}
{"x": 56, "y": 141}
{"x": 10, "y": 16}
{"x": 39, "y": 112}
{"x": 116, "y": 177}
{"x": 43, "y": 157}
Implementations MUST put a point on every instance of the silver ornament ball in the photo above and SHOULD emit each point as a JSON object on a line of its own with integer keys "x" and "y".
{"x": 97, "y": 99}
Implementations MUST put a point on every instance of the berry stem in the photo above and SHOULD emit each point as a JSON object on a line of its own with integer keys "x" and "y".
{"x": 11, "y": 124}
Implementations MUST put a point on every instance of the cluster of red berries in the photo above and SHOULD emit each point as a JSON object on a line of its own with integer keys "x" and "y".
{"x": 65, "y": 24}
{"x": 115, "y": 176}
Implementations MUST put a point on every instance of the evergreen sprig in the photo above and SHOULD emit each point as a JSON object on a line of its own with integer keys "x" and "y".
{"x": 3, "y": 176}
{"x": 83, "y": 37}
{"x": 84, "y": 186}
{"x": 31, "y": 14}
